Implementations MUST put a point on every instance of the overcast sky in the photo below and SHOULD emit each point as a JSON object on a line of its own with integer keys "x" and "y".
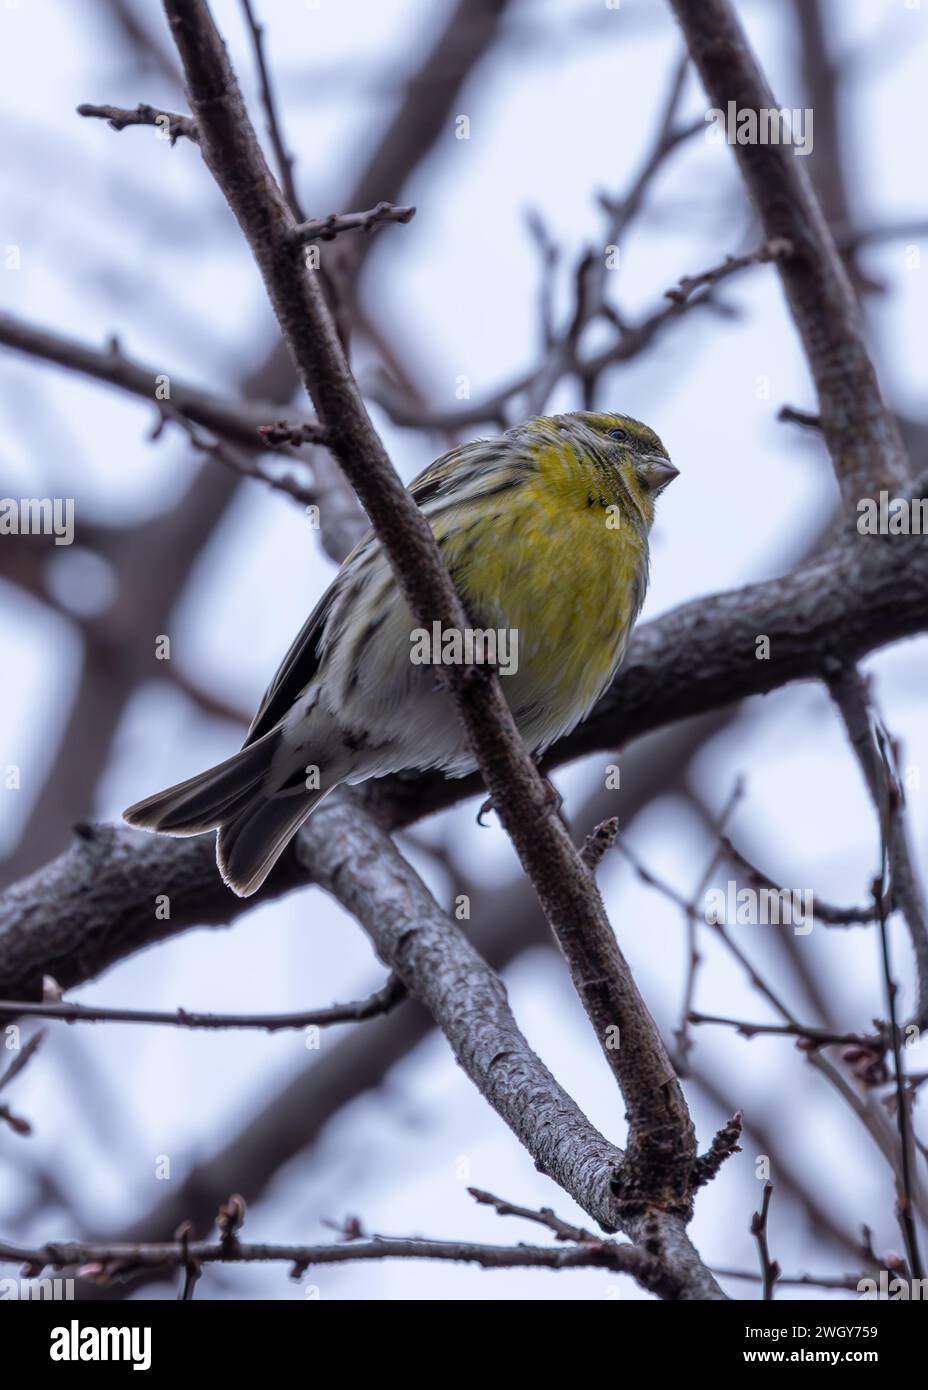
{"x": 120, "y": 234}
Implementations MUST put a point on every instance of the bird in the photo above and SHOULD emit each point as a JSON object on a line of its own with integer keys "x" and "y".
{"x": 544, "y": 530}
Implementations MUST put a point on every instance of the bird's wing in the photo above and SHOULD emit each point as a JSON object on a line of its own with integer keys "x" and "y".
{"x": 460, "y": 474}
{"x": 295, "y": 671}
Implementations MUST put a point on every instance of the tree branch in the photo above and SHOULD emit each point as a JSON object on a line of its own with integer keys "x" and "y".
{"x": 274, "y": 127}
{"x": 770, "y": 1270}
{"x": 25, "y": 1054}
{"x": 241, "y": 423}
{"x": 104, "y": 1263}
{"x": 327, "y": 228}
{"x": 872, "y": 748}
{"x": 376, "y": 1004}
{"x": 170, "y": 123}
{"x": 94, "y": 904}
{"x": 358, "y": 863}
{"x": 662, "y": 1143}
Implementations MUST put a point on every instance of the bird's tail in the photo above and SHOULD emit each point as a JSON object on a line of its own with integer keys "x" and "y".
{"x": 255, "y": 821}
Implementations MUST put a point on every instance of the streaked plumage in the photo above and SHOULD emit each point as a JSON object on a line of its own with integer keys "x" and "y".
{"x": 544, "y": 530}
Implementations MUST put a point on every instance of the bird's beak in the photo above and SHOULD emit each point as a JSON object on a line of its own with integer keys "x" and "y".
{"x": 661, "y": 471}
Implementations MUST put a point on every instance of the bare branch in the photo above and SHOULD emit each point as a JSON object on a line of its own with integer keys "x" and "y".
{"x": 376, "y": 1004}
{"x": 545, "y": 1217}
{"x": 895, "y": 885}
{"x": 905, "y": 1207}
{"x": 873, "y": 749}
{"x": 22, "y": 1058}
{"x": 105, "y": 1263}
{"x": 240, "y": 462}
{"x": 826, "y": 913}
{"x": 92, "y": 906}
{"x": 359, "y": 865}
{"x": 327, "y": 228}
{"x": 228, "y": 419}
{"x": 770, "y": 251}
{"x": 811, "y": 1037}
{"x": 770, "y": 1270}
{"x": 168, "y": 123}
{"x": 632, "y": 340}
{"x": 851, "y": 1282}
{"x": 790, "y": 415}
{"x": 25, "y": 1054}
{"x": 274, "y": 126}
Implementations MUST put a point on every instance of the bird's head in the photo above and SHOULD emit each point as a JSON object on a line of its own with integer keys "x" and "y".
{"x": 629, "y": 458}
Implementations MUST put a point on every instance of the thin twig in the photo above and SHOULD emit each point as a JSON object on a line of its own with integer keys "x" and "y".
{"x": 191, "y": 1267}
{"x": 17, "y": 1123}
{"x": 724, "y": 1145}
{"x": 274, "y": 127}
{"x": 240, "y": 462}
{"x": 327, "y": 228}
{"x": 826, "y": 913}
{"x": 871, "y": 1120}
{"x": 851, "y": 1282}
{"x": 23, "y": 1057}
{"x": 168, "y": 123}
{"x": 692, "y": 917}
{"x": 790, "y": 415}
{"x": 773, "y": 250}
{"x": 544, "y": 1216}
{"x": 896, "y": 887}
{"x": 904, "y": 1209}
{"x": 812, "y": 1037}
{"x": 770, "y": 1270}
{"x": 376, "y": 1004}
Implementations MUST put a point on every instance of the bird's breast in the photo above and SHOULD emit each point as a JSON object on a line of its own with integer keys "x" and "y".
{"x": 568, "y": 580}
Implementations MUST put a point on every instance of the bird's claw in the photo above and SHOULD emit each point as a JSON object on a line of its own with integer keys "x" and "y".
{"x": 553, "y": 803}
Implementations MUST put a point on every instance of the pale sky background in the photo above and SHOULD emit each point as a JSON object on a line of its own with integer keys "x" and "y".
{"x": 121, "y": 234}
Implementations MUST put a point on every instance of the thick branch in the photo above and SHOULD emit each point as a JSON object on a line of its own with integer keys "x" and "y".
{"x": 94, "y": 905}
{"x": 358, "y": 864}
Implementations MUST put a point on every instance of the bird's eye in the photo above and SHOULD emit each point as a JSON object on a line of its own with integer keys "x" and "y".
{"x": 618, "y": 434}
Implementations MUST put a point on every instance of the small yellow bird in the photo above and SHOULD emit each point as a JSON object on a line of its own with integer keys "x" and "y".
{"x": 545, "y": 532}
